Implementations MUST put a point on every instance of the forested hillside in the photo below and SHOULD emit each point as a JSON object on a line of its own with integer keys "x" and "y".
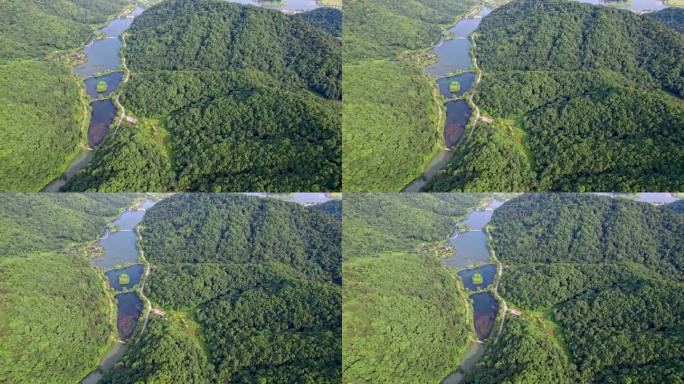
{"x": 328, "y": 19}
{"x": 405, "y": 316}
{"x": 611, "y": 303}
{"x": 390, "y": 123}
{"x": 54, "y": 313}
{"x": 245, "y": 98}
{"x": 587, "y": 98}
{"x": 673, "y": 17}
{"x": 42, "y": 116}
{"x": 252, "y": 291}
{"x": 374, "y": 223}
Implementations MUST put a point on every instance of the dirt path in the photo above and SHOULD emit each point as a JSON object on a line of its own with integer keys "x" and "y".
{"x": 499, "y": 273}
{"x": 142, "y": 286}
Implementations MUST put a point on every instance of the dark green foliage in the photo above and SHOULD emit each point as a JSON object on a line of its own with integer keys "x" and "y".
{"x": 233, "y": 36}
{"x": 54, "y": 318}
{"x": 586, "y": 228}
{"x": 404, "y": 319}
{"x": 49, "y": 222}
{"x": 164, "y": 354}
{"x": 374, "y": 223}
{"x": 328, "y": 19}
{"x": 286, "y": 333}
{"x": 260, "y": 278}
{"x": 595, "y": 94}
{"x": 524, "y": 354}
{"x": 332, "y": 207}
{"x": 570, "y": 36}
{"x": 677, "y": 206}
{"x": 389, "y": 125}
{"x": 673, "y": 17}
{"x": 130, "y": 160}
{"x": 34, "y": 28}
{"x": 383, "y": 28}
{"x": 606, "y": 273}
{"x": 39, "y": 123}
{"x": 242, "y": 229}
{"x": 250, "y": 99}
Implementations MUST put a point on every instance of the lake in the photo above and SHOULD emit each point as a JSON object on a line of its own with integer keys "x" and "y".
{"x": 129, "y": 309}
{"x": 134, "y": 272}
{"x": 485, "y": 309}
{"x": 471, "y": 250}
{"x": 465, "y": 79}
{"x": 457, "y": 117}
{"x": 113, "y": 80}
{"x": 102, "y": 117}
{"x": 488, "y": 273}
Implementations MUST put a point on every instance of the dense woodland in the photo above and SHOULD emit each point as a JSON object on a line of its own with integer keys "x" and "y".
{"x": 42, "y": 115}
{"x": 376, "y": 223}
{"x": 611, "y": 303}
{"x": 673, "y": 17}
{"x": 390, "y": 123}
{"x": 328, "y": 19}
{"x": 599, "y": 113}
{"x": 405, "y": 319}
{"x": 255, "y": 106}
{"x": 39, "y": 275}
{"x": 252, "y": 287}
{"x": 404, "y": 314}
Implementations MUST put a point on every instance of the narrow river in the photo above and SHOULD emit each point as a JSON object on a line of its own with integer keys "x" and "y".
{"x": 103, "y": 64}
{"x": 453, "y": 63}
{"x": 122, "y": 265}
{"x": 477, "y": 270}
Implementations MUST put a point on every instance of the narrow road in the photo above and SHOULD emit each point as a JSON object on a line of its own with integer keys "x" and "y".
{"x": 142, "y": 286}
{"x": 127, "y": 75}
{"x": 499, "y": 273}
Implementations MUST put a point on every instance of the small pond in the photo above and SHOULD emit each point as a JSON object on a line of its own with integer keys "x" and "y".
{"x": 465, "y": 79}
{"x": 104, "y": 113}
{"x": 134, "y": 273}
{"x": 129, "y": 308}
{"x": 485, "y": 309}
{"x": 488, "y": 273}
{"x": 113, "y": 80}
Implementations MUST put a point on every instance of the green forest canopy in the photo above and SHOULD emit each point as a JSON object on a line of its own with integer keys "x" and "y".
{"x": 405, "y": 315}
{"x": 39, "y": 276}
{"x": 256, "y": 106}
{"x": 612, "y": 298}
{"x": 601, "y": 112}
{"x": 259, "y": 278}
{"x": 390, "y": 119}
{"x": 42, "y": 116}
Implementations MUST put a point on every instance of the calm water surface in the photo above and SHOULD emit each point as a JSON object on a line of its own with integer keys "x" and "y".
{"x": 134, "y": 272}
{"x": 129, "y": 308}
{"x": 103, "y": 115}
{"x": 465, "y": 80}
{"x": 488, "y": 273}
{"x": 457, "y": 117}
{"x": 113, "y": 80}
{"x": 636, "y": 5}
{"x": 485, "y": 309}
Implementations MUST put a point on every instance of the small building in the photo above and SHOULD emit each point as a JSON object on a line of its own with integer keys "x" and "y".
{"x": 131, "y": 120}
{"x": 486, "y": 120}
{"x": 515, "y": 312}
{"x": 158, "y": 312}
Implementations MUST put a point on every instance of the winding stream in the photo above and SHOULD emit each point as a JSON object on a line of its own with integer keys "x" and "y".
{"x": 103, "y": 63}
{"x": 473, "y": 257}
{"x": 121, "y": 255}
{"x": 452, "y": 56}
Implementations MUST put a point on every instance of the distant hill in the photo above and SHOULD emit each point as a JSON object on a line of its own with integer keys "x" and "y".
{"x": 239, "y": 98}
{"x": 328, "y": 19}
{"x": 603, "y": 112}
{"x": 673, "y": 17}
{"x": 252, "y": 291}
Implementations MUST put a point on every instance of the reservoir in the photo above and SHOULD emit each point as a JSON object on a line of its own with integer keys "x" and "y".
{"x": 134, "y": 273}
{"x": 485, "y": 309}
{"x": 113, "y": 80}
{"x": 488, "y": 273}
{"x": 129, "y": 308}
{"x": 457, "y": 117}
{"x": 102, "y": 117}
{"x": 465, "y": 79}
